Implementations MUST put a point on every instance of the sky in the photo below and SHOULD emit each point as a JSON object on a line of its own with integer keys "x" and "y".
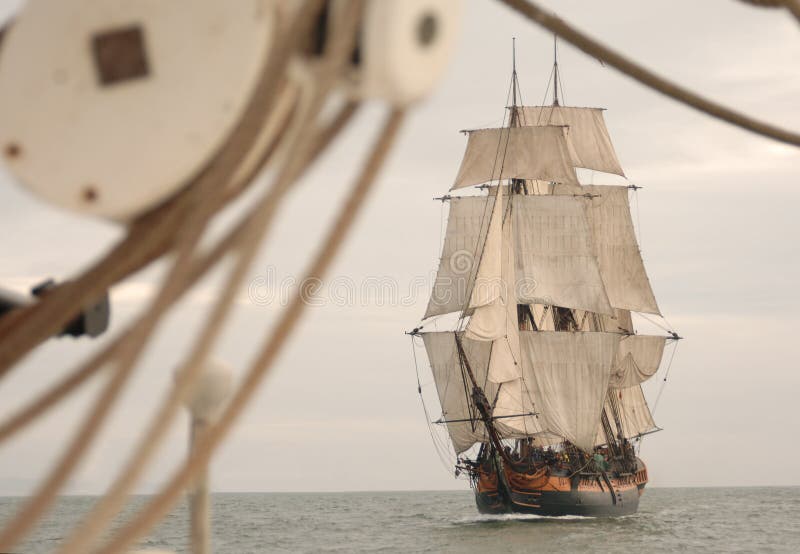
{"x": 718, "y": 232}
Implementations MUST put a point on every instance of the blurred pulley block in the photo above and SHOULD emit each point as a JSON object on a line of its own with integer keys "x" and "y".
{"x": 109, "y": 107}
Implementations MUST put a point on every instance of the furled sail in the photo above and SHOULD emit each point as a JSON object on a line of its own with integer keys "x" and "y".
{"x": 566, "y": 376}
{"x": 638, "y": 358}
{"x": 634, "y": 414}
{"x": 516, "y": 153}
{"x": 496, "y": 320}
{"x": 588, "y": 137}
{"x": 555, "y": 255}
{"x": 618, "y": 256}
{"x": 467, "y": 228}
{"x": 454, "y": 387}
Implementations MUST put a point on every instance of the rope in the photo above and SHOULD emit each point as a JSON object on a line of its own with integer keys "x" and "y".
{"x": 664, "y": 381}
{"x": 187, "y": 374}
{"x": 792, "y": 5}
{"x": 546, "y": 90}
{"x": 34, "y": 507}
{"x": 200, "y": 266}
{"x": 640, "y": 439}
{"x": 647, "y": 77}
{"x": 502, "y": 159}
{"x": 765, "y": 3}
{"x": 201, "y": 200}
{"x": 248, "y": 235}
{"x": 441, "y": 451}
{"x": 206, "y": 444}
{"x": 667, "y": 328}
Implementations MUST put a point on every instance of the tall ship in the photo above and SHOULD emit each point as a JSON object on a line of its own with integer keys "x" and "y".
{"x": 539, "y": 373}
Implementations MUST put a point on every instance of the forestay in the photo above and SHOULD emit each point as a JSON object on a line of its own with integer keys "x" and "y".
{"x": 567, "y": 375}
{"x": 467, "y": 227}
{"x": 555, "y": 255}
{"x": 618, "y": 256}
{"x": 588, "y": 137}
{"x": 638, "y": 358}
{"x": 516, "y": 153}
{"x": 454, "y": 387}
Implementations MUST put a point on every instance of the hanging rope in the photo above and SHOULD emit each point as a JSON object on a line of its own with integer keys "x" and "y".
{"x": 272, "y": 346}
{"x": 442, "y": 451}
{"x": 664, "y": 381}
{"x": 647, "y": 77}
{"x": 640, "y": 439}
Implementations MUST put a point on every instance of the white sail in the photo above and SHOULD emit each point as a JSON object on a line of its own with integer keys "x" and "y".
{"x": 555, "y": 255}
{"x": 618, "y": 256}
{"x": 454, "y": 387}
{"x": 467, "y": 227}
{"x": 566, "y": 376}
{"x": 516, "y": 153}
{"x": 516, "y": 412}
{"x": 497, "y": 321}
{"x": 638, "y": 358}
{"x": 488, "y": 280}
{"x": 635, "y": 416}
{"x": 587, "y": 136}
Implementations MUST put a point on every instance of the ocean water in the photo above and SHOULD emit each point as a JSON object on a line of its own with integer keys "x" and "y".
{"x": 669, "y": 520}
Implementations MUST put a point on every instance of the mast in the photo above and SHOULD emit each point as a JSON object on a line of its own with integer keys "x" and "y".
{"x": 515, "y": 185}
{"x": 524, "y": 314}
{"x": 555, "y": 70}
{"x": 514, "y": 83}
{"x": 481, "y": 402}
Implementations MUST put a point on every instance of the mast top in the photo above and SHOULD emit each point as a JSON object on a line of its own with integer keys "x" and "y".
{"x": 514, "y": 54}
{"x": 555, "y": 70}
{"x": 514, "y": 73}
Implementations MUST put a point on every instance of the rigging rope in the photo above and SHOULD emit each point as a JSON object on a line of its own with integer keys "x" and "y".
{"x": 640, "y": 439}
{"x": 667, "y": 329}
{"x": 650, "y": 79}
{"x": 476, "y": 257}
{"x": 664, "y": 381}
{"x": 546, "y": 90}
{"x": 441, "y": 450}
{"x": 792, "y": 5}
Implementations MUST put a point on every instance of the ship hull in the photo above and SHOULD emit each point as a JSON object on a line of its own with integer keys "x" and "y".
{"x": 545, "y": 494}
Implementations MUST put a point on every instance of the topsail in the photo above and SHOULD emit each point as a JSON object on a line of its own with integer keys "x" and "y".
{"x": 556, "y": 261}
{"x": 517, "y": 153}
{"x": 621, "y": 267}
{"x": 589, "y": 143}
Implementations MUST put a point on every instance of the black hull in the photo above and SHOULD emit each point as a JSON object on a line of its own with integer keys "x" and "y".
{"x": 546, "y": 492}
{"x": 562, "y": 503}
